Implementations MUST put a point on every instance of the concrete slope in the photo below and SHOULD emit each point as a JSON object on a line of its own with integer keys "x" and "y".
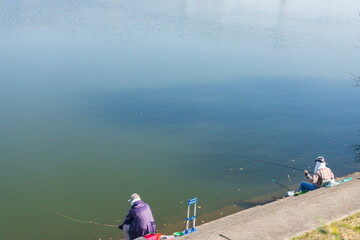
{"x": 286, "y": 218}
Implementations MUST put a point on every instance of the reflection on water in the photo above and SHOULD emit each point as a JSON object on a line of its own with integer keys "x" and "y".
{"x": 356, "y": 149}
{"x": 169, "y": 99}
{"x": 357, "y": 81}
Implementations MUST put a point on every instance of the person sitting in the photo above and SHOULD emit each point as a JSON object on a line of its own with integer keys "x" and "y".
{"x": 139, "y": 221}
{"x": 322, "y": 175}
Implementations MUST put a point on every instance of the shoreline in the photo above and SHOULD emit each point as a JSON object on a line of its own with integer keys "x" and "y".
{"x": 225, "y": 211}
{"x": 216, "y": 214}
{"x": 294, "y": 215}
{"x": 230, "y": 209}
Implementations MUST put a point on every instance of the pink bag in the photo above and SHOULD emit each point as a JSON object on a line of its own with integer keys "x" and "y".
{"x": 153, "y": 236}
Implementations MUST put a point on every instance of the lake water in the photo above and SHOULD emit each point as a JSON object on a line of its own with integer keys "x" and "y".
{"x": 169, "y": 99}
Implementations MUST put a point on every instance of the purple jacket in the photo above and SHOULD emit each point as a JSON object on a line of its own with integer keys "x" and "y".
{"x": 140, "y": 219}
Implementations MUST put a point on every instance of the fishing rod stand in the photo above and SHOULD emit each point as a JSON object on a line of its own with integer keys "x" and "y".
{"x": 193, "y": 229}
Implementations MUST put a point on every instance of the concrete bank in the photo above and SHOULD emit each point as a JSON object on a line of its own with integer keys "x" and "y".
{"x": 285, "y": 218}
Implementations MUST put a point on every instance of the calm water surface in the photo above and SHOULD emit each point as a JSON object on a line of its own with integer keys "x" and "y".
{"x": 169, "y": 99}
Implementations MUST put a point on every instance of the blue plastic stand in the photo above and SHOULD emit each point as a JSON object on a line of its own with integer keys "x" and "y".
{"x": 193, "y": 218}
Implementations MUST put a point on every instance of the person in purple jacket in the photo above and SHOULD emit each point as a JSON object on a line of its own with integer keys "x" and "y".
{"x": 139, "y": 220}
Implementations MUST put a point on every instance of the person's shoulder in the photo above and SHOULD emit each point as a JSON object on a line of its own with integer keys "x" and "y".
{"x": 146, "y": 205}
{"x": 138, "y": 204}
{"x": 326, "y": 169}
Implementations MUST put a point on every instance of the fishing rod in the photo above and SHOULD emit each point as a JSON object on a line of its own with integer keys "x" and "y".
{"x": 281, "y": 185}
{"x": 101, "y": 224}
{"x": 88, "y": 222}
{"x": 267, "y": 162}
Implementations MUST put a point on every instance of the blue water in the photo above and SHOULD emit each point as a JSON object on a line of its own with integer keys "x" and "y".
{"x": 169, "y": 99}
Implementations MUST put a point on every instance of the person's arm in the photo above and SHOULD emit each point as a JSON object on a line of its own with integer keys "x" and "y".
{"x": 308, "y": 176}
{"x": 128, "y": 219}
{"x": 316, "y": 180}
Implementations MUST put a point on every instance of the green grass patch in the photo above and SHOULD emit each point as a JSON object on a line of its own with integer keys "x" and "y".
{"x": 347, "y": 228}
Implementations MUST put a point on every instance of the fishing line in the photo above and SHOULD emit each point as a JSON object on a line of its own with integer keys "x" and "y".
{"x": 91, "y": 235}
{"x": 78, "y": 221}
{"x": 88, "y": 222}
{"x": 267, "y": 162}
{"x": 72, "y": 219}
